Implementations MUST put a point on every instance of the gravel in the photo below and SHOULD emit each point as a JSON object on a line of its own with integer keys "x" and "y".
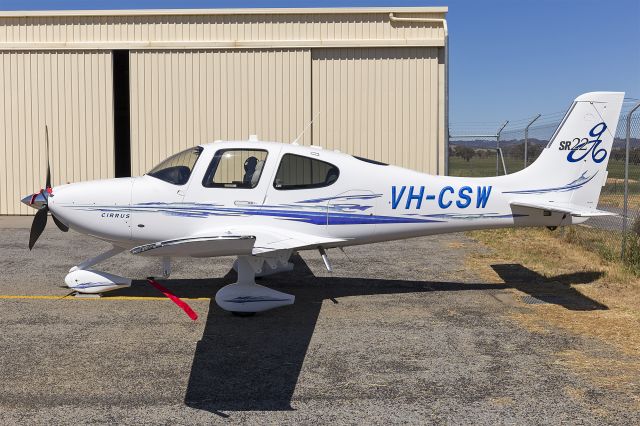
{"x": 401, "y": 332}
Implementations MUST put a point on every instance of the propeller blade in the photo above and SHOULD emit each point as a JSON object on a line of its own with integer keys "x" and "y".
{"x": 61, "y": 226}
{"x": 46, "y": 137}
{"x": 38, "y": 225}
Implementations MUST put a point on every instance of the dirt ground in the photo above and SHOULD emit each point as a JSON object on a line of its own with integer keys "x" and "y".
{"x": 432, "y": 330}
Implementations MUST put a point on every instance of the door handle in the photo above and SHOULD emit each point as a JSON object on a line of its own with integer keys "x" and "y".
{"x": 244, "y": 203}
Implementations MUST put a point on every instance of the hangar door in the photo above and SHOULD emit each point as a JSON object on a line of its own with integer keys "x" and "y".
{"x": 386, "y": 104}
{"x": 180, "y": 99}
{"x": 71, "y": 92}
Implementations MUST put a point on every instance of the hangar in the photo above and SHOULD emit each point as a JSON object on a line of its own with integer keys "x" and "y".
{"x": 122, "y": 90}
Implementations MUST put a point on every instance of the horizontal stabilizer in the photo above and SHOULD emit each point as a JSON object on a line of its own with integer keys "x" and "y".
{"x": 220, "y": 245}
{"x": 572, "y": 209}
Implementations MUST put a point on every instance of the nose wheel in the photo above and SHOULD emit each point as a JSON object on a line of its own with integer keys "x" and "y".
{"x": 245, "y": 297}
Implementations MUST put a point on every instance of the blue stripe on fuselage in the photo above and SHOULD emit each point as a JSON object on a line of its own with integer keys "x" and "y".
{"x": 320, "y": 217}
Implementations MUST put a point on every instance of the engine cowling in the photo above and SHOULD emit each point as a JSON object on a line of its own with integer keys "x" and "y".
{"x": 89, "y": 281}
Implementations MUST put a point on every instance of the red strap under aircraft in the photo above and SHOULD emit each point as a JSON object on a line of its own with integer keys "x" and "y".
{"x": 175, "y": 299}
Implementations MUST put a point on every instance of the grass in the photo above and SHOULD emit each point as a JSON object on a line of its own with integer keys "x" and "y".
{"x": 614, "y": 363}
{"x": 617, "y": 200}
{"x": 558, "y": 257}
{"x": 616, "y": 170}
{"x": 481, "y": 167}
{"x": 554, "y": 253}
{"x": 486, "y": 166}
{"x": 605, "y": 243}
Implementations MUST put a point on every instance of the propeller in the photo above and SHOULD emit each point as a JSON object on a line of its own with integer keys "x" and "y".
{"x": 42, "y": 197}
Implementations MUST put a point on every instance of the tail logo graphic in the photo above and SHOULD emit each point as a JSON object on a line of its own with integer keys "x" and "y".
{"x": 580, "y": 148}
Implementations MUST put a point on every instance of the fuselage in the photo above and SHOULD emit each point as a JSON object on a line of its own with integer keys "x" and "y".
{"x": 305, "y": 189}
{"x": 262, "y": 201}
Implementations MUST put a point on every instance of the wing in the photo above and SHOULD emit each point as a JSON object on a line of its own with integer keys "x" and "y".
{"x": 237, "y": 241}
{"x": 572, "y": 209}
{"x": 272, "y": 239}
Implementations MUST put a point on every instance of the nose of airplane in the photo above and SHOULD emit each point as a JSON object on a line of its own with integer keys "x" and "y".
{"x": 81, "y": 206}
{"x": 92, "y": 195}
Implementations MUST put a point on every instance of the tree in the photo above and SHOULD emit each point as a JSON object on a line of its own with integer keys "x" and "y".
{"x": 466, "y": 152}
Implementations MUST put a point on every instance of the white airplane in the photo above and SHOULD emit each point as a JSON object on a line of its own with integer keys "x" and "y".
{"x": 262, "y": 201}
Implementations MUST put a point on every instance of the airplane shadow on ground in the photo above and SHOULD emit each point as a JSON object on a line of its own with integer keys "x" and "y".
{"x": 555, "y": 290}
{"x": 249, "y": 364}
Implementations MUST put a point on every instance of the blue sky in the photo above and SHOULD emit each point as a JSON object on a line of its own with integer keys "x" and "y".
{"x": 508, "y": 59}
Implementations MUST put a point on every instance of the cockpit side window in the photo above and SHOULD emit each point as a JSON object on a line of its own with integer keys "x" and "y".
{"x": 177, "y": 168}
{"x": 235, "y": 168}
{"x": 299, "y": 172}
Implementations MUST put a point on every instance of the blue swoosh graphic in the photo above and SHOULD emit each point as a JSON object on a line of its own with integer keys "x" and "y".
{"x": 250, "y": 299}
{"x": 319, "y": 217}
{"x": 571, "y": 186}
{"x": 343, "y": 197}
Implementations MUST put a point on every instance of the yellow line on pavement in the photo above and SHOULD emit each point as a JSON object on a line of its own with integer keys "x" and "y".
{"x": 42, "y": 297}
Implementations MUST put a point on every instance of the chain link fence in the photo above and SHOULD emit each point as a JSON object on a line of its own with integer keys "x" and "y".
{"x": 476, "y": 151}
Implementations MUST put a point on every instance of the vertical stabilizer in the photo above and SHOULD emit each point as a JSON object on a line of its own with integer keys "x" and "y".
{"x": 573, "y": 166}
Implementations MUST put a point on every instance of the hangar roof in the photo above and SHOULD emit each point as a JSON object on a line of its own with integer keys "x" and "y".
{"x": 223, "y": 28}
{"x": 248, "y": 11}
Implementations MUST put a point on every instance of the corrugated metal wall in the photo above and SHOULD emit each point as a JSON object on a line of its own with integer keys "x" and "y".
{"x": 376, "y": 83}
{"x": 185, "y": 98}
{"x": 380, "y": 103}
{"x": 71, "y": 92}
{"x": 222, "y": 28}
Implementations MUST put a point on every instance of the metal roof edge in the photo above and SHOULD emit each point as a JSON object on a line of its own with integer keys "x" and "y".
{"x": 247, "y": 11}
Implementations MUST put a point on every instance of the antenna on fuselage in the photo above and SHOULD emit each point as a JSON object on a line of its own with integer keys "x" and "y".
{"x": 295, "y": 141}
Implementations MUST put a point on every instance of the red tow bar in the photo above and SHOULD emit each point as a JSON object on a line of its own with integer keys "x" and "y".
{"x": 175, "y": 299}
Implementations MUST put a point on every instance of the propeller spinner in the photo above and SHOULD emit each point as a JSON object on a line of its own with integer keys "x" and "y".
{"x": 39, "y": 201}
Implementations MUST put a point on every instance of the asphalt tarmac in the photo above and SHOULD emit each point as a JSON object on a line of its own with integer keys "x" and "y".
{"x": 401, "y": 332}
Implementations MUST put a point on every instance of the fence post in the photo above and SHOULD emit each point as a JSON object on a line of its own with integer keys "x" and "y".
{"x": 625, "y": 209}
{"x": 526, "y": 139}
{"x": 499, "y": 151}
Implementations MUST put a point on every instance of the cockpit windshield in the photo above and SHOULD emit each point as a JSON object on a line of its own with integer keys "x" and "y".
{"x": 177, "y": 168}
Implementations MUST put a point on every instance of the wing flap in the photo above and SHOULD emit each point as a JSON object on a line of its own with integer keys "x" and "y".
{"x": 205, "y": 246}
{"x": 270, "y": 239}
{"x": 572, "y": 209}
{"x": 298, "y": 242}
